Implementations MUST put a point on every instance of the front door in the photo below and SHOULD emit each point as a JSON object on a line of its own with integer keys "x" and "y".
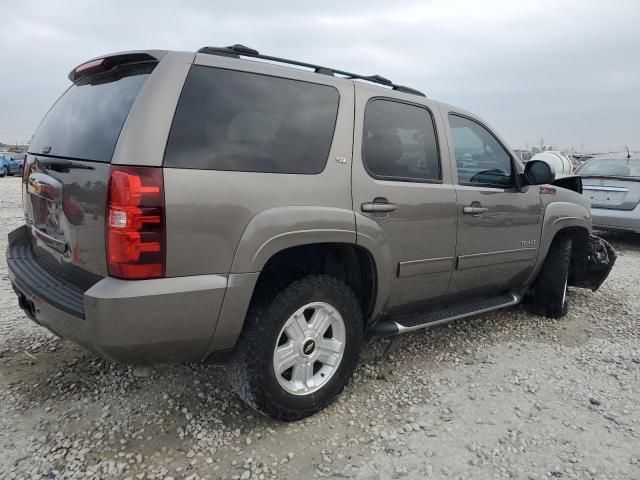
{"x": 499, "y": 225}
{"x": 402, "y": 194}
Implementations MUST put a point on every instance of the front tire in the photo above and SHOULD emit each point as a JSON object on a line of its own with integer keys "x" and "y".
{"x": 3, "y": 172}
{"x": 550, "y": 288}
{"x": 298, "y": 350}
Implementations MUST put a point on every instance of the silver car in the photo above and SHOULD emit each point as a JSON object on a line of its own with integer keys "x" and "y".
{"x": 612, "y": 183}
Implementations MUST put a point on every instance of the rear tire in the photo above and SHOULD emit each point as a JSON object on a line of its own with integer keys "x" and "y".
{"x": 550, "y": 288}
{"x": 298, "y": 349}
{"x": 3, "y": 172}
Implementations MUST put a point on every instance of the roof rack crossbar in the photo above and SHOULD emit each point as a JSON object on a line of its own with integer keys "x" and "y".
{"x": 240, "y": 50}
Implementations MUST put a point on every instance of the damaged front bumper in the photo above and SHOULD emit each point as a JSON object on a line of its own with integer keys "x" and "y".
{"x": 595, "y": 269}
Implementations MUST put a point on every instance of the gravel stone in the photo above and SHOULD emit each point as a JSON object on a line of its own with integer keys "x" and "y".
{"x": 143, "y": 371}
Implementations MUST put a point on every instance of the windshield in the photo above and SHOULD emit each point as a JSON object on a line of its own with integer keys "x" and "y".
{"x": 611, "y": 167}
{"x": 85, "y": 122}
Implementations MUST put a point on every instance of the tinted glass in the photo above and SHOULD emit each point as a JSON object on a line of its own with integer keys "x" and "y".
{"x": 228, "y": 120}
{"x": 400, "y": 142}
{"x": 85, "y": 122}
{"x": 479, "y": 156}
{"x": 617, "y": 167}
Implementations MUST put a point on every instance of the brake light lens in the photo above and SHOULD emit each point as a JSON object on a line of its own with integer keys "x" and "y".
{"x": 135, "y": 223}
{"x": 27, "y": 168}
{"x": 91, "y": 67}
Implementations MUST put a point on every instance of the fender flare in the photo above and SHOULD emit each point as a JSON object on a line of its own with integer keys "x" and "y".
{"x": 559, "y": 216}
{"x": 270, "y": 232}
{"x": 372, "y": 238}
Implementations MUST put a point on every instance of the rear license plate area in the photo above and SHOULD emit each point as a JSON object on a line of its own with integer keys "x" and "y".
{"x": 604, "y": 197}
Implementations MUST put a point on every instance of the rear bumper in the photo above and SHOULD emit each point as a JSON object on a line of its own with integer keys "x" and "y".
{"x": 163, "y": 320}
{"x": 616, "y": 220}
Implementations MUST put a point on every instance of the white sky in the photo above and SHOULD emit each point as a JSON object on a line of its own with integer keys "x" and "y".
{"x": 565, "y": 70}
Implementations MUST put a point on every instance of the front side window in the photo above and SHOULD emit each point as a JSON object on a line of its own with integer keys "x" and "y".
{"x": 400, "y": 142}
{"x": 480, "y": 158}
{"x": 239, "y": 121}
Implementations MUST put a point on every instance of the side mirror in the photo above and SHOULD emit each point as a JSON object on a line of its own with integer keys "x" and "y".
{"x": 538, "y": 172}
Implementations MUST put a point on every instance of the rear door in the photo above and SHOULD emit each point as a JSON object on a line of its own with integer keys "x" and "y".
{"x": 499, "y": 225}
{"x": 67, "y": 166}
{"x": 402, "y": 193}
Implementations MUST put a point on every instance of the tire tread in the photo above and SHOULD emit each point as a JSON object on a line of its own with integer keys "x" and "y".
{"x": 243, "y": 370}
{"x": 548, "y": 288}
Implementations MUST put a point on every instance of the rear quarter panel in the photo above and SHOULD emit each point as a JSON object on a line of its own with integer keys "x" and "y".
{"x": 145, "y": 131}
{"x": 226, "y": 221}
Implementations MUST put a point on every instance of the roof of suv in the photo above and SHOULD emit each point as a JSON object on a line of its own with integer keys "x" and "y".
{"x": 238, "y": 51}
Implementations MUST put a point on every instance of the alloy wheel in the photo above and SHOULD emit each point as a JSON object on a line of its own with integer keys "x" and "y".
{"x": 309, "y": 348}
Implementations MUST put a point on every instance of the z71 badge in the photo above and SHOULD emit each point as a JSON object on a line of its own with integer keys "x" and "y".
{"x": 528, "y": 243}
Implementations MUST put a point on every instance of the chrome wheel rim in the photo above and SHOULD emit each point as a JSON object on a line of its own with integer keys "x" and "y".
{"x": 309, "y": 348}
{"x": 564, "y": 292}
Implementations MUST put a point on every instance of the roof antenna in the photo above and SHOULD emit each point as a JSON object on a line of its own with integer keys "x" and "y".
{"x": 628, "y": 154}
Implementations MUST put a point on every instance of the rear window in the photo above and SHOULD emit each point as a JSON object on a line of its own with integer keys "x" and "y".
{"x": 229, "y": 120}
{"x": 611, "y": 167}
{"x": 85, "y": 122}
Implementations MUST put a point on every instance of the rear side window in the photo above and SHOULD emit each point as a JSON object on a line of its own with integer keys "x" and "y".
{"x": 229, "y": 120}
{"x": 85, "y": 122}
{"x": 400, "y": 142}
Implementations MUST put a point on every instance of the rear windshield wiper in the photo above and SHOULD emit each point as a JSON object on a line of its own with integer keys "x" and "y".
{"x": 60, "y": 165}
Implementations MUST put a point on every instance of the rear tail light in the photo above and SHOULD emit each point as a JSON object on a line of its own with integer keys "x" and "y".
{"x": 27, "y": 168}
{"x": 135, "y": 223}
{"x": 88, "y": 68}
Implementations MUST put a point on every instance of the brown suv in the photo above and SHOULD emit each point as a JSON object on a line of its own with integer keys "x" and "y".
{"x": 203, "y": 206}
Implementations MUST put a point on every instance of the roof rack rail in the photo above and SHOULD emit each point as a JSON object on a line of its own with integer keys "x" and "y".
{"x": 238, "y": 51}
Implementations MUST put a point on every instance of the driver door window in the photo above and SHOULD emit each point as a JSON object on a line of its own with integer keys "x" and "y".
{"x": 480, "y": 159}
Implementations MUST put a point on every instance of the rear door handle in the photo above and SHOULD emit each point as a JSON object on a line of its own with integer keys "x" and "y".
{"x": 475, "y": 210}
{"x": 379, "y": 205}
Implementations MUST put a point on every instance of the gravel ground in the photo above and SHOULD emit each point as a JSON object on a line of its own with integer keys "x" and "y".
{"x": 502, "y": 395}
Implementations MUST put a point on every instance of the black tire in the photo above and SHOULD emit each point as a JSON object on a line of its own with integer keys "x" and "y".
{"x": 550, "y": 288}
{"x": 251, "y": 371}
{"x": 3, "y": 172}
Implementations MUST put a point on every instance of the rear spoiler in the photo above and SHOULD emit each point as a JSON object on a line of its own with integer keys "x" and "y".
{"x": 113, "y": 60}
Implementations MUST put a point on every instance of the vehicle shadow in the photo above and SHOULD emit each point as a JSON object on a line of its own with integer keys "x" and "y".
{"x": 624, "y": 241}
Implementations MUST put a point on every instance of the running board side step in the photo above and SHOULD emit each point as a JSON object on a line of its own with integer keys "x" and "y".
{"x": 393, "y": 326}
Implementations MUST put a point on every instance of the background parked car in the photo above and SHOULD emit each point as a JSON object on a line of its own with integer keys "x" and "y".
{"x": 612, "y": 182}
{"x": 525, "y": 155}
{"x": 10, "y": 164}
{"x": 579, "y": 158}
